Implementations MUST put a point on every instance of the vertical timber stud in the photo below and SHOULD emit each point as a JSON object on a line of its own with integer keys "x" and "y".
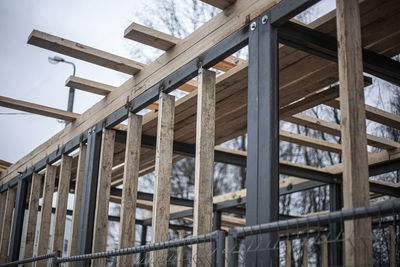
{"x": 5, "y": 231}
{"x": 288, "y": 253}
{"x": 32, "y": 215}
{"x": 130, "y": 187}
{"x": 89, "y": 191}
{"x": 263, "y": 146}
{"x": 3, "y": 199}
{"x": 354, "y": 141}
{"x": 180, "y": 250}
{"x": 204, "y": 166}
{"x": 45, "y": 212}
{"x": 162, "y": 184}
{"x": 80, "y": 173}
{"x": 18, "y": 220}
{"x": 103, "y": 195}
{"x": 62, "y": 201}
{"x": 324, "y": 251}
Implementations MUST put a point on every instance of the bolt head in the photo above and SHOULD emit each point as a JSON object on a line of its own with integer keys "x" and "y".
{"x": 253, "y": 25}
{"x": 264, "y": 19}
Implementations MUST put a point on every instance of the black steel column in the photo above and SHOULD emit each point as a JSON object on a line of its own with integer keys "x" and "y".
{"x": 18, "y": 220}
{"x": 215, "y": 226}
{"x": 335, "y": 228}
{"x": 262, "y": 183}
{"x": 142, "y": 256}
{"x": 88, "y": 204}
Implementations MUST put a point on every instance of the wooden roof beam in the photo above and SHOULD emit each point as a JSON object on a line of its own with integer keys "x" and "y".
{"x": 221, "y": 4}
{"x": 37, "y": 109}
{"x": 164, "y": 41}
{"x": 83, "y": 52}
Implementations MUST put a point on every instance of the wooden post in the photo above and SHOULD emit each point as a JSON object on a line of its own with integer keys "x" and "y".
{"x": 32, "y": 215}
{"x": 392, "y": 246}
{"x": 354, "y": 140}
{"x": 80, "y": 173}
{"x": 130, "y": 188}
{"x": 162, "y": 184}
{"x": 3, "y": 200}
{"x": 204, "y": 166}
{"x": 288, "y": 253}
{"x": 324, "y": 251}
{"x": 45, "y": 213}
{"x": 305, "y": 252}
{"x": 180, "y": 253}
{"x": 5, "y": 232}
{"x": 100, "y": 231}
{"x": 62, "y": 201}
{"x": 226, "y": 250}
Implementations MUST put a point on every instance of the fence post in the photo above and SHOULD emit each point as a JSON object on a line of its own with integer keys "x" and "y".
{"x": 55, "y": 260}
{"x": 220, "y": 248}
{"x": 233, "y": 248}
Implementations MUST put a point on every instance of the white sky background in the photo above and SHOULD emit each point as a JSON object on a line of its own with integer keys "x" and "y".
{"x": 25, "y": 73}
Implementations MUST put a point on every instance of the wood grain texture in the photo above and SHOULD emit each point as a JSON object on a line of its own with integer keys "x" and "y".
{"x": 354, "y": 140}
{"x": 34, "y": 197}
{"x": 324, "y": 251}
{"x": 80, "y": 176}
{"x": 163, "y": 171}
{"x": 130, "y": 187}
{"x": 221, "y": 4}
{"x": 180, "y": 257}
{"x": 89, "y": 86}
{"x": 3, "y": 200}
{"x": 5, "y": 231}
{"x": 84, "y": 52}
{"x": 100, "y": 231}
{"x": 288, "y": 253}
{"x": 62, "y": 201}
{"x": 45, "y": 213}
{"x": 204, "y": 166}
{"x": 38, "y": 109}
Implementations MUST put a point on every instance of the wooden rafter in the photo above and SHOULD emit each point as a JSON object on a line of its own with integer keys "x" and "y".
{"x": 37, "y": 109}
{"x": 221, "y": 4}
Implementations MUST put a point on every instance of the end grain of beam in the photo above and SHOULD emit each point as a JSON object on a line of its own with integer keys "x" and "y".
{"x": 89, "y": 86}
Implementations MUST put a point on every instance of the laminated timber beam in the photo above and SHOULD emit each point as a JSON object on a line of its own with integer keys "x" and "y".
{"x": 37, "y": 109}
{"x": 83, "y": 52}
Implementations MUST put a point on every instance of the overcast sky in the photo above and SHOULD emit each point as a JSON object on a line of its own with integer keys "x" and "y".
{"x": 25, "y": 73}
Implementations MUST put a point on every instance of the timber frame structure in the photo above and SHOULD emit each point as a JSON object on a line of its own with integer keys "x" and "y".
{"x": 292, "y": 67}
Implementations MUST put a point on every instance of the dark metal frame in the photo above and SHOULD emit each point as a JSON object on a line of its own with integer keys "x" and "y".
{"x": 270, "y": 28}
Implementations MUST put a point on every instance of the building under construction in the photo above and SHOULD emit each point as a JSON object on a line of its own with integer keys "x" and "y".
{"x": 101, "y": 154}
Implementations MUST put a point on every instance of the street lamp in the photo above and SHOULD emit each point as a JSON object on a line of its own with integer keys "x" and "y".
{"x": 56, "y": 60}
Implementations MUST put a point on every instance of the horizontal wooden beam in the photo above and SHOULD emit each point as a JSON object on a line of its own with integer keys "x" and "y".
{"x": 221, "y": 4}
{"x": 164, "y": 41}
{"x": 37, "y": 109}
{"x": 83, "y": 52}
{"x": 89, "y": 86}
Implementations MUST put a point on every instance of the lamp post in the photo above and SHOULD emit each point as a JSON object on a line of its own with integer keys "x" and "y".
{"x": 71, "y": 96}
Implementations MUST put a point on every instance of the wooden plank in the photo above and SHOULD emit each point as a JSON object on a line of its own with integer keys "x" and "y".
{"x": 83, "y": 52}
{"x": 221, "y": 4}
{"x": 204, "y": 166}
{"x": 80, "y": 174}
{"x": 45, "y": 213}
{"x": 89, "y": 86}
{"x": 374, "y": 114}
{"x": 163, "y": 41}
{"x": 151, "y": 37}
{"x": 62, "y": 201}
{"x": 162, "y": 184}
{"x": 130, "y": 187}
{"x": 334, "y": 129}
{"x": 180, "y": 250}
{"x": 305, "y": 252}
{"x": 392, "y": 246}
{"x": 324, "y": 251}
{"x": 36, "y": 185}
{"x": 288, "y": 253}
{"x": 3, "y": 200}
{"x": 354, "y": 140}
{"x": 309, "y": 141}
{"x": 37, "y": 109}
{"x": 100, "y": 231}
{"x": 5, "y": 232}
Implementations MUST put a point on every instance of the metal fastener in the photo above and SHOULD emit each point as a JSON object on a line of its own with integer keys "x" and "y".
{"x": 264, "y": 19}
{"x": 253, "y": 25}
